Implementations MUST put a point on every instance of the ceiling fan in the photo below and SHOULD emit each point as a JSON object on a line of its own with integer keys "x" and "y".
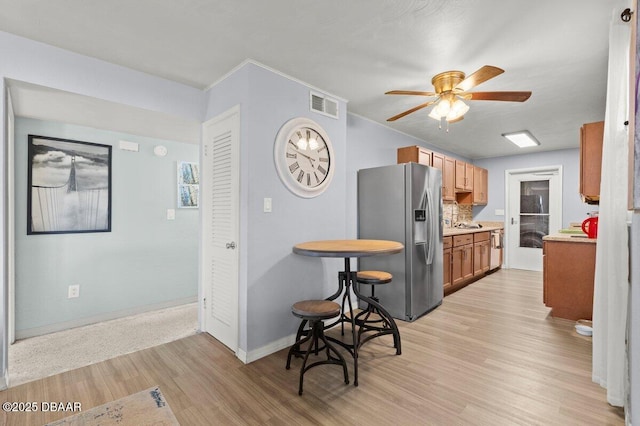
{"x": 451, "y": 88}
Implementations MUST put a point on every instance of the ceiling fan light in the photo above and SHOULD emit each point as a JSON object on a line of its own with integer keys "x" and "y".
{"x": 444, "y": 106}
{"x": 458, "y": 109}
{"x": 434, "y": 114}
{"x": 522, "y": 139}
{"x": 441, "y": 109}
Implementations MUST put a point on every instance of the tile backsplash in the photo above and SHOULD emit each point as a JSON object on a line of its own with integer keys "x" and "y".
{"x": 453, "y": 212}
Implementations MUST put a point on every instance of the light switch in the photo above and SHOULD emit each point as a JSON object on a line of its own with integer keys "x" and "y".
{"x": 499, "y": 212}
{"x": 171, "y": 214}
{"x": 267, "y": 205}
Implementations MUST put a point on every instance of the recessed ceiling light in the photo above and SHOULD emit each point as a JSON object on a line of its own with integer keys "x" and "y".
{"x": 522, "y": 138}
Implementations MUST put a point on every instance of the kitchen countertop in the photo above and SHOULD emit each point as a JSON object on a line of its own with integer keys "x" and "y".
{"x": 572, "y": 238}
{"x": 447, "y": 232}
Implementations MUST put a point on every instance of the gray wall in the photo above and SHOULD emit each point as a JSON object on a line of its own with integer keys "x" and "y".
{"x": 370, "y": 144}
{"x": 573, "y": 209}
{"x": 271, "y": 277}
{"x": 3, "y": 248}
{"x": 144, "y": 260}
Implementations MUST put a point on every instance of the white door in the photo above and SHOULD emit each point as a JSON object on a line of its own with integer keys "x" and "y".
{"x": 534, "y": 200}
{"x": 220, "y": 226}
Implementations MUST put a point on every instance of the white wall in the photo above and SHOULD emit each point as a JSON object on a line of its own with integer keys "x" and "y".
{"x": 634, "y": 321}
{"x": 573, "y": 209}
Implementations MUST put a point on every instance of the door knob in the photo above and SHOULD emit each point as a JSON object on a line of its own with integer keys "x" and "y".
{"x": 231, "y": 245}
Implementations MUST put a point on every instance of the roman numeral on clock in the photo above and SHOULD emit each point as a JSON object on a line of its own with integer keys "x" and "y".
{"x": 322, "y": 170}
{"x": 300, "y": 176}
{"x": 295, "y": 166}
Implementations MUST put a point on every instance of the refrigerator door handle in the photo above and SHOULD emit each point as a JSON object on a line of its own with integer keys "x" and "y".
{"x": 430, "y": 223}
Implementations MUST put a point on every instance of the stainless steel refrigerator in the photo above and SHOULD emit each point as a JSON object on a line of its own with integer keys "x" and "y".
{"x": 404, "y": 203}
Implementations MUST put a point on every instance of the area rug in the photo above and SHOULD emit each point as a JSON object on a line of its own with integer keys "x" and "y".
{"x": 43, "y": 356}
{"x": 143, "y": 408}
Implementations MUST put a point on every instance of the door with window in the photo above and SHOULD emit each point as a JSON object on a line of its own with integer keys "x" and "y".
{"x": 534, "y": 211}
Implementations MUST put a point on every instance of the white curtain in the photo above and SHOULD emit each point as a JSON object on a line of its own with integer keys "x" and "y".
{"x": 612, "y": 250}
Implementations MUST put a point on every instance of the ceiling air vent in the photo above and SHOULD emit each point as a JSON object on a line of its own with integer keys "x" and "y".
{"x": 323, "y": 105}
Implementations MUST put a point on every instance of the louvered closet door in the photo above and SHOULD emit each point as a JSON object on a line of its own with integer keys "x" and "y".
{"x": 220, "y": 216}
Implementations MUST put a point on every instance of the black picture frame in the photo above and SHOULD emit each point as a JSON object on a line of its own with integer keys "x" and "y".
{"x": 68, "y": 186}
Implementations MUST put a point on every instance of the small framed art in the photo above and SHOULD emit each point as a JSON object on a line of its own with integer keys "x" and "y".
{"x": 188, "y": 185}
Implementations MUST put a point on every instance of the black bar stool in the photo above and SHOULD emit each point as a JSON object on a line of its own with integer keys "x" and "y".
{"x": 314, "y": 311}
{"x": 370, "y": 319}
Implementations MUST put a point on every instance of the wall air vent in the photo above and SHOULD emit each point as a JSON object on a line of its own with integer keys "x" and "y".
{"x": 323, "y": 105}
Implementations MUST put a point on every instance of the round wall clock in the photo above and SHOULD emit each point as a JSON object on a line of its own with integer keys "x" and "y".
{"x": 304, "y": 157}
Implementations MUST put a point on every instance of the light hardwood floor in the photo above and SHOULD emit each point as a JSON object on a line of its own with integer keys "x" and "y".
{"x": 490, "y": 355}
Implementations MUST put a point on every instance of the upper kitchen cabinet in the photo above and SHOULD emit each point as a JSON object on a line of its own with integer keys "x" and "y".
{"x": 464, "y": 176}
{"x": 480, "y": 186}
{"x": 447, "y": 166}
{"x": 414, "y": 154}
{"x": 591, "y": 136}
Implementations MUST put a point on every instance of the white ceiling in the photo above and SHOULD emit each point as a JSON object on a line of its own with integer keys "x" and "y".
{"x": 358, "y": 50}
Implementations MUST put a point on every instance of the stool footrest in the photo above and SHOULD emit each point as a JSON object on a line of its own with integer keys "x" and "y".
{"x": 315, "y": 336}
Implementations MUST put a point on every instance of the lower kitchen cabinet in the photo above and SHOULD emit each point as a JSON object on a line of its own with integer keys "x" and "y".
{"x": 481, "y": 252}
{"x": 462, "y": 258}
{"x": 568, "y": 276}
{"x": 446, "y": 263}
{"x": 466, "y": 258}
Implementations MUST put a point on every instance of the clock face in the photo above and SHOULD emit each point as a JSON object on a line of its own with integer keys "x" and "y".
{"x": 304, "y": 157}
{"x": 308, "y": 158}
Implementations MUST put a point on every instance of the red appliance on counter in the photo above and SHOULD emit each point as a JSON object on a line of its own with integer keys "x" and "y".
{"x": 590, "y": 227}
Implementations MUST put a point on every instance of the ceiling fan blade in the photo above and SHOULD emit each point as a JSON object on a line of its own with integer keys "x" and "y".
{"x": 499, "y": 96}
{"x": 483, "y": 74}
{"x": 409, "y": 111}
{"x": 410, "y": 92}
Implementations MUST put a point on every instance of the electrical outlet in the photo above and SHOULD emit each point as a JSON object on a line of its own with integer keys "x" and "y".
{"x": 74, "y": 291}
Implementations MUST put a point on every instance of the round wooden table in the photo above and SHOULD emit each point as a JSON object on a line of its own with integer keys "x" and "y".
{"x": 348, "y": 249}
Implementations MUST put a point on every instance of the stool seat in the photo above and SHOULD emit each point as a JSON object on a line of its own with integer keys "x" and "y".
{"x": 372, "y": 323}
{"x": 373, "y": 277}
{"x": 315, "y": 309}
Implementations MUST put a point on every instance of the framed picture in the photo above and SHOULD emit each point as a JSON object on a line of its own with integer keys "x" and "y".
{"x": 69, "y": 186}
{"x": 188, "y": 185}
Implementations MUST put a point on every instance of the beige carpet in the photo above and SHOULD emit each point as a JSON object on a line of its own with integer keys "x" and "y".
{"x": 43, "y": 356}
{"x": 143, "y": 408}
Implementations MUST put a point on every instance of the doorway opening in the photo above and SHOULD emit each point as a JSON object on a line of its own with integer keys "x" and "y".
{"x": 534, "y": 209}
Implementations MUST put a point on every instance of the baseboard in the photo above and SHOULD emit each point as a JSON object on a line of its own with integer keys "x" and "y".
{"x": 52, "y": 328}
{"x": 266, "y": 350}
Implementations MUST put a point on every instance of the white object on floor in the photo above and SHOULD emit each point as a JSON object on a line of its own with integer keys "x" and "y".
{"x": 585, "y": 330}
